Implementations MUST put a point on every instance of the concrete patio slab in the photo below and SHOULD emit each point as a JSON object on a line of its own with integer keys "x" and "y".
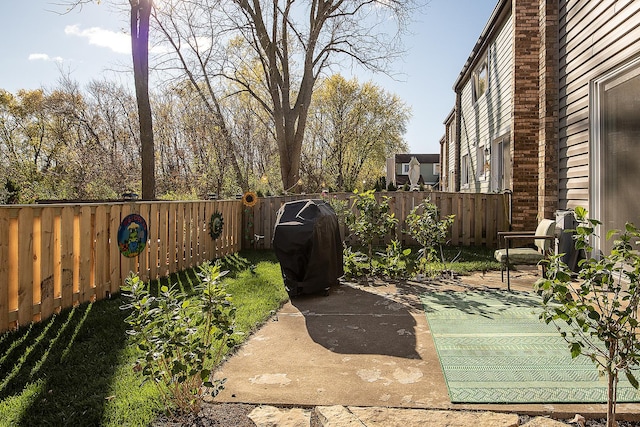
{"x": 366, "y": 346}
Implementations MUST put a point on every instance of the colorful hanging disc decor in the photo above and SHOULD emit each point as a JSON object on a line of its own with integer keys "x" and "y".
{"x": 132, "y": 235}
{"x": 215, "y": 225}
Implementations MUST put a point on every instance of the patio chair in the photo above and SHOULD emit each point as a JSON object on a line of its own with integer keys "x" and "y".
{"x": 542, "y": 239}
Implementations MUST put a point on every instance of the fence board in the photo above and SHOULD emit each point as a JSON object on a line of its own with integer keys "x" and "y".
{"x": 13, "y": 284}
{"x": 67, "y": 263}
{"x": 152, "y": 229}
{"x": 86, "y": 240}
{"x": 172, "y": 238}
{"x": 101, "y": 253}
{"x": 25, "y": 265}
{"x": 45, "y": 284}
{"x": 188, "y": 259}
{"x": 4, "y": 269}
{"x": 478, "y": 215}
{"x": 114, "y": 250}
{"x": 57, "y": 259}
{"x": 163, "y": 237}
{"x": 180, "y": 235}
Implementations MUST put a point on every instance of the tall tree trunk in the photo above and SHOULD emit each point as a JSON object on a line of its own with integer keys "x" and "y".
{"x": 140, "y": 13}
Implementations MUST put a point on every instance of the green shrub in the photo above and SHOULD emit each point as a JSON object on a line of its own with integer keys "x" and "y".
{"x": 181, "y": 339}
{"x": 369, "y": 219}
{"x": 430, "y": 231}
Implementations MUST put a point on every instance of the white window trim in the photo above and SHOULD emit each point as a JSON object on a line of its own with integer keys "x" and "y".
{"x": 595, "y": 158}
{"x": 464, "y": 171}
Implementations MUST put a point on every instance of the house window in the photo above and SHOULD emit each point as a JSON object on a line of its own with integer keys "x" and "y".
{"x": 480, "y": 80}
{"x": 482, "y": 160}
{"x": 615, "y": 150}
{"x": 404, "y": 169}
{"x": 500, "y": 166}
{"x": 436, "y": 169}
{"x": 464, "y": 170}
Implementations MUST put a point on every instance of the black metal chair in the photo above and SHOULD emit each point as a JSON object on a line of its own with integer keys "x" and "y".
{"x": 542, "y": 238}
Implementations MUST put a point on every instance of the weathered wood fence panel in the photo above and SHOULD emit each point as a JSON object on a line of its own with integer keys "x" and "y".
{"x": 53, "y": 256}
{"x": 478, "y": 217}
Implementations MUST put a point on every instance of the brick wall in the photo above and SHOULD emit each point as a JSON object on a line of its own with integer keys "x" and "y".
{"x": 548, "y": 113}
{"x": 526, "y": 122}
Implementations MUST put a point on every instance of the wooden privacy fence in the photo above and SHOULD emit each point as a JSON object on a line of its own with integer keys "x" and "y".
{"x": 478, "y": 216}
{"x": 54, "y": 256}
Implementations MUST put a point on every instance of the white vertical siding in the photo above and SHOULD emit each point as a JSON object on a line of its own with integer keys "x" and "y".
{"x": 594, "y": 38}
{"x": 490, "y": 117}
{"x": 451, "y": 156}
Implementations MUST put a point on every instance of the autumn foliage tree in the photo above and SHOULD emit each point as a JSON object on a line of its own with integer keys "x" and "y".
{"x": 353, "y": 128}
{"x": 277, "y": 50}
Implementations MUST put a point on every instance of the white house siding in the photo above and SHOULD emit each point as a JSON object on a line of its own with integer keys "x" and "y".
{"x": 451, "y": 156}
{"x": 490, "y": 117}
{"x": 595, "y": 37}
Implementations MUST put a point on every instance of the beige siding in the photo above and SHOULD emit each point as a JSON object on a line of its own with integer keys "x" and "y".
{"x": 490, "y": 117}
{"x": 594, "y": 38}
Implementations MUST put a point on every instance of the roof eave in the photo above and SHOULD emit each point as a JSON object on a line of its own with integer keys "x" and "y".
{"x": 480, "y": 45}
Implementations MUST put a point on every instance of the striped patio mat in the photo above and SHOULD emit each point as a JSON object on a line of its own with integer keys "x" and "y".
{"x": 494, "y": 349}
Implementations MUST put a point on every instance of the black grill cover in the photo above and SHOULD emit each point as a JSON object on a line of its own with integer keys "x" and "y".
{"x": 307, "y": 243}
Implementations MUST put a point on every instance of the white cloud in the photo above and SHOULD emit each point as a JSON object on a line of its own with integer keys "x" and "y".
{"x": 116, "y": 41}
{"x": 44, "y": 57}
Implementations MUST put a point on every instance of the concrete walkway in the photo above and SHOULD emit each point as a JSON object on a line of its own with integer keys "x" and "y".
{"x": 365, "y": 347}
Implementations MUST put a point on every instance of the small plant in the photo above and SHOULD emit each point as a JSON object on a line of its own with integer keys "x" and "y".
{"x": 340, "y": 207}
{"x": 430, "y": 231}
{"x": 598, "y": 314}
{"x": 369, "y": 219}
{"x": 353, "y": 263}
{"x": 181, "y": 338}
{"x": 394, "y": 260}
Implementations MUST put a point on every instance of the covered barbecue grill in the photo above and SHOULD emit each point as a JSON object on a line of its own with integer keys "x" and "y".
{"x": 307, "y": 243}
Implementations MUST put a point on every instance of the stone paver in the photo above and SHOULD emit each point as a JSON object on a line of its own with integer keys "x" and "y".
{"x": 270, "y": 416}
{"x": 544, "y": 422}
{"x": 394, "y": 417}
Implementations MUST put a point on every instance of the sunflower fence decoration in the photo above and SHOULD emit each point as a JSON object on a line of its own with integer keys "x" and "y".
{"x": 215, "y": 225}
{"x": 249, "y": 199}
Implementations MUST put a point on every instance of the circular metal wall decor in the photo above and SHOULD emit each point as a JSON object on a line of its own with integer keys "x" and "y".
{"x": 132, "y": 235}
{"x": 215, "y": 225}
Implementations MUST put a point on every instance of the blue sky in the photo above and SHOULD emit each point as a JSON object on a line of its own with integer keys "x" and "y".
{"x": 38, "y": 44}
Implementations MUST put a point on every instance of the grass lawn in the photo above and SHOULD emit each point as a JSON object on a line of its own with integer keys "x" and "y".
{"x": 76, "y": 367}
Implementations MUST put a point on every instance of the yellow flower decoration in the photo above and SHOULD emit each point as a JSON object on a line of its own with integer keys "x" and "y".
{"x": 249, "y": 199}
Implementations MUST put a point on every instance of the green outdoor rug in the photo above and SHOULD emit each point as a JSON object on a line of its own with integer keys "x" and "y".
{"x": 494, "y": 349}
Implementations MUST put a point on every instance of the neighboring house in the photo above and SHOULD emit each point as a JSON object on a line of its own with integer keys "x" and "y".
{"x": 548, "y": 106}
{"x": 398, "y": 169}
{"x": 448, "y": 170}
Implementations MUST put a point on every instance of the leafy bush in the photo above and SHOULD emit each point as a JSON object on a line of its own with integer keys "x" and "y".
{"x": 181, "y": 340}
{"x": 369, "y": 219}
{"x": 394, "y": 261}
{"x": 355, "y": 264}
{"x": 598, "y": 314}
{"x": 429, "y": 230}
